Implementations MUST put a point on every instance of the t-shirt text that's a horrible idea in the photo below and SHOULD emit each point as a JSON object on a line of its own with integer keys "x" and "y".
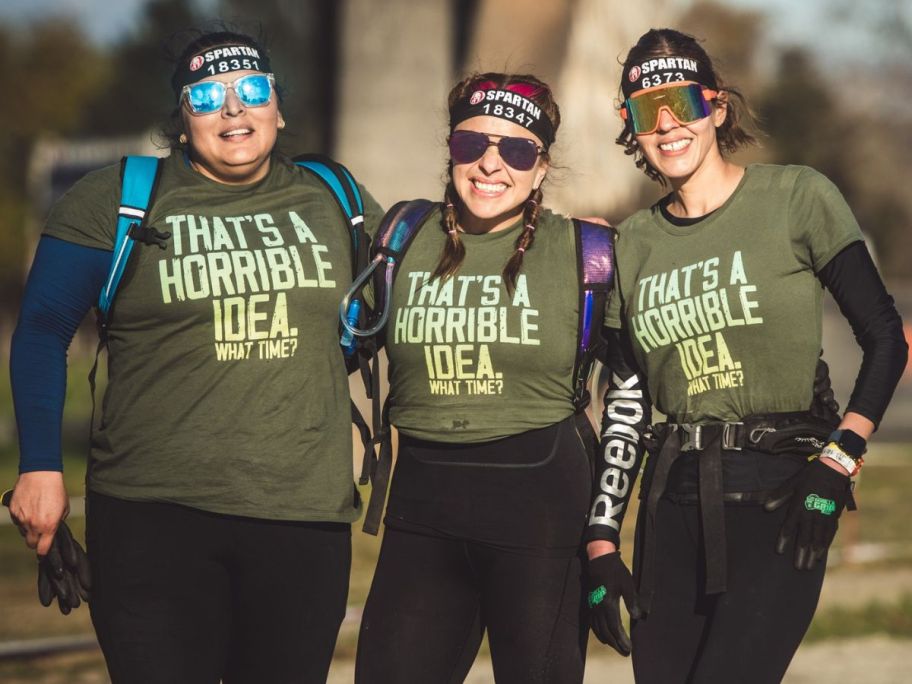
{"x": 458, "y": 321}
{"x": 245, "y": 265}
{"x": 692, "y": 307}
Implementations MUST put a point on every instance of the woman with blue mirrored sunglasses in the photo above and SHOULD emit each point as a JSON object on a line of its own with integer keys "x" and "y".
{"x": 208, "y": 97}
{"x": 219, "y": 492}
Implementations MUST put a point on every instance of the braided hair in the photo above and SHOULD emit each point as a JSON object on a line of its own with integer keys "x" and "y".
{"x": 453, "y": 252}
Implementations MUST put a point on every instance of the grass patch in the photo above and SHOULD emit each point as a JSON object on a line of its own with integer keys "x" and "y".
{"x": 71, "y": 668}
{"x": 893, "y": 618}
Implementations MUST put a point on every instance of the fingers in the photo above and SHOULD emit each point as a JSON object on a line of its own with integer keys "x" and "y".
{"x": 788, "y": 531}
{"x": 67, "y": 545}
{"x": 38, "y": 503}
{"x": 631, "y": 599}
{"x": 45, "y": 590}
{"x": 53, "y": 559}
{"x": 778, "y": 497}
{"x": 608, "y": 628}
{"x": 823, "y": 535}
{"x": 616, "y": 627}
{"x": 603, "y": 632}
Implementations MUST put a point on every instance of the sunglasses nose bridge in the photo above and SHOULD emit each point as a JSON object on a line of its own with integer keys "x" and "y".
{"x": 666, "y": 119}
{"x": 490, "y": 158}
{"x": 233, "y": 104}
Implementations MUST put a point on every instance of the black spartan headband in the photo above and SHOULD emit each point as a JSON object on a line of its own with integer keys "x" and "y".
{"x": 662, "y": 71}
{"x": 222, "y": 59}
{"x": 509, "y": 103}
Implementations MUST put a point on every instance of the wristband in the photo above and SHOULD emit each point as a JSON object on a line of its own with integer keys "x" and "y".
{"x": 850, "y": 442}
{"x": 835, "y": 453}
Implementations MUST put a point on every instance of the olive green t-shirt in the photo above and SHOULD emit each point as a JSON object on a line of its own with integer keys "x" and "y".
{"x": 227, "y": 390}
{"x": 470, "y": 362}
{"x": 725, "y": 315}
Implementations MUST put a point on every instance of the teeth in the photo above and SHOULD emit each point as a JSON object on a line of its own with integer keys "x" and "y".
{"x": 236, "y": 131}
{"x": 490, "y": 187}
{"x": 675, "y": 146}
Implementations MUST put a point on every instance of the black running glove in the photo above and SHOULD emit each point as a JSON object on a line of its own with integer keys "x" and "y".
{"x": 64, "y": 572}
{"x": 817, "y": 494}
{"x": 609, "y": 580}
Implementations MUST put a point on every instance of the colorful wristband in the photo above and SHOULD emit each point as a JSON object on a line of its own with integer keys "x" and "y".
{"x": 833, "y": 452}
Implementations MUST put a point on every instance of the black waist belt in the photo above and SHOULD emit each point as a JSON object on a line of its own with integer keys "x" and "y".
{"x": 777, "y": 433}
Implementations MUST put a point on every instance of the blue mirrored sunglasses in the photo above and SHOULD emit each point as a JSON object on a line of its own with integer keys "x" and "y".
{"x": 207, "y": 97}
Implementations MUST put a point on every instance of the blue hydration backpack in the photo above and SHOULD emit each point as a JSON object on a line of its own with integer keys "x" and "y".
{"x": 400, "y": 225}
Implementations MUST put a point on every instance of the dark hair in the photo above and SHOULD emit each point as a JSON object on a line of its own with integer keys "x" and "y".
{"x": 667, "y": 43}
{"x": 196, "y": 41}
{"x": 453, "y": 250}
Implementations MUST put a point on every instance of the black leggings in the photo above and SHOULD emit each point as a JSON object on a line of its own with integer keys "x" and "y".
{"x": 183, "y": 596}
{"x": 433, "y": 597}
{"x": 746, "y": 635}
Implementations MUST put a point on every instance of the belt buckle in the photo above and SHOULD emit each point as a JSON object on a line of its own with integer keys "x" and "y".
{"x": 728, "y": 436}
{"x": 694, "y": 437}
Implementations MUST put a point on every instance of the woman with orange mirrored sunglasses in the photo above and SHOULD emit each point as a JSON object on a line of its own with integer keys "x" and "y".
{"x": 719, "y": 294}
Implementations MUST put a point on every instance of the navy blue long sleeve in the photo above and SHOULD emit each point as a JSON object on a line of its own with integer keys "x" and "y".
{"x": 62, "y": 286}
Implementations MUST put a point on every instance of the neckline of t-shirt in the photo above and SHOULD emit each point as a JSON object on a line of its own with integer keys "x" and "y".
{"x": 701, "y": 222}
{"x": 680, "y": 221}
{"x": 496, "y": 236}
{"x": 185, "y": 168}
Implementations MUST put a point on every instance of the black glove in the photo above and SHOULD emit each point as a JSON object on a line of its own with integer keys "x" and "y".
{"x": 609, "y": 580}
{"x": 817, "y": 494}
{"x": 64, "y": 572}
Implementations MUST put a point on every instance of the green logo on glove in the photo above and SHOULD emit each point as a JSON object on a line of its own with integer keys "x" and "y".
{"x": 813, "y": 502}
{"x": 597, "y": 596}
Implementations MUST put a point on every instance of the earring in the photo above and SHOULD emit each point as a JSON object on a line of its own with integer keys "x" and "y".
{"x": 182, "y": 139}
{"x": 281, "y": 124}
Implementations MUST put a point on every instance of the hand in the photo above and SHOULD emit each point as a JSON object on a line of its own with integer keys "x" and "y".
{"x": 817, "y": 494}
{"x": 38, "y": 504}
{"x": 63, "y": 567}
{"x": 609, "y": 580}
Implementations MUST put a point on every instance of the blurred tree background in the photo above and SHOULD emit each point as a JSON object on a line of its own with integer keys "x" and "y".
{"x": 67, "y": 87}
{"x": 853, "y": 125}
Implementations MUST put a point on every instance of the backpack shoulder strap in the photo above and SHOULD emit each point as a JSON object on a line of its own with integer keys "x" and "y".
{"x": 397, "y": 230}
{"x": 399, "y": 227}
{"x": 340, "y": 183}
{"x": 595, "y": 269}
{"x": 139, "y": 180}
{"x": 342, "y": 186}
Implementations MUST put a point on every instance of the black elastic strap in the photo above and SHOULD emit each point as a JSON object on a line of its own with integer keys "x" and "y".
{"x": 366, "y": 442}
{"x": 668, "y": 454}
{"x": 712, "y": 515}
{"x": 380, "y": 477}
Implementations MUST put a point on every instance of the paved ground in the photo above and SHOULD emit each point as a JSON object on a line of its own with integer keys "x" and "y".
{"x": 872, "y": 660}
{"x": 877, "y": 659}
